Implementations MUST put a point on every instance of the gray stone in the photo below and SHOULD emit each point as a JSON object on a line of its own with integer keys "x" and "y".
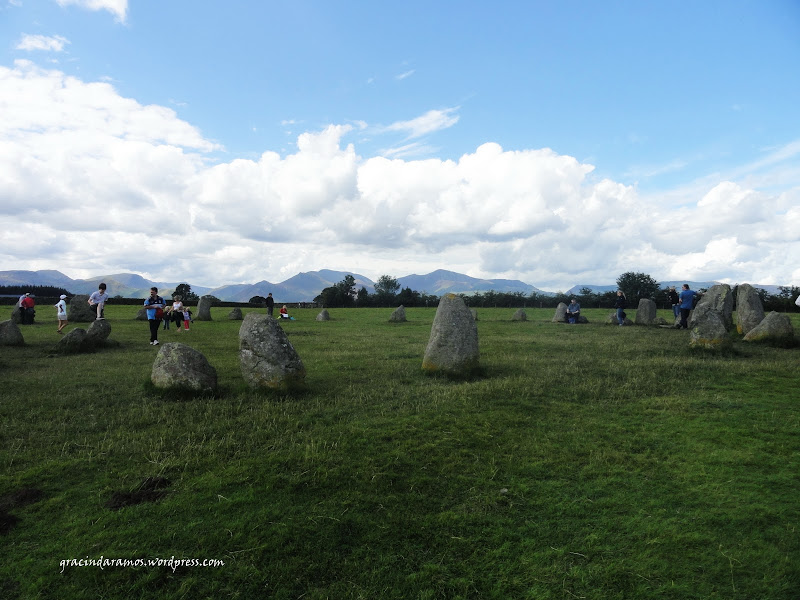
{"x": 520, "y": 315}
{"x": 97, "y": 333}
{"x": 611, "y": 319}
{"x": 561, "y": 313}
{"x": 267, "y": 357}
{"x": 710, "y": 331}
{"x": 204, "y": 308}
{"x": 10, "y": 335}
{"x": 79, "y": 311}
{"x": 180, "y": 367}
{"x": 474, "y": 312}
{"x": 749, "y": 309}
{"x": 235, "y": 314}
{"x": 398, "y": 315}
{"x": 453, "y": 344}
{"x": 718, "y": 299}
{"x": 646, "y": 312}
{"x": 73, "y": 342}
{"x": 323, "y": 315}
{"x": 775, "y": 327}
{"x": 141, "y": 315}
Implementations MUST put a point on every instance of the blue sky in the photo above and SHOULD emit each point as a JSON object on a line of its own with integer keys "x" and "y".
{"x": 556, "y": 143}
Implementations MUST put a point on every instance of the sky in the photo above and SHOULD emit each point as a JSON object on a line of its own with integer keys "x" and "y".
{"x": 558, "y": 143}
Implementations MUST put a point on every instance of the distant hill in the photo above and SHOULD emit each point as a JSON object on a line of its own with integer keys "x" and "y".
{"x": 304, "y": 287}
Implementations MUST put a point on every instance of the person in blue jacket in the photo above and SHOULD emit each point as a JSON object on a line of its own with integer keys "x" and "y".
{"x": 155, "y": 313}
{"x": 687, "y": 297}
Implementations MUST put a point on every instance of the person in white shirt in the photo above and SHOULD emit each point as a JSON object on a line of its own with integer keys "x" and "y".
{"x": 61, "y": 310}
{"x": 98, "y": 299}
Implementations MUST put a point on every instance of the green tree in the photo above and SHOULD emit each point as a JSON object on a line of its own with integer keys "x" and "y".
{"x": 258, "y": 300}
{"x": 387, "y": 285}
{"x": 362, "y": 298}
{"x": 184, "y": 290}
{"x": 636, "y": 286}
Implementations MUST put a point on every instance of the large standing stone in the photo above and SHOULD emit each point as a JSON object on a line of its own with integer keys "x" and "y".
{"x": 323, "y": 315}
{"x": 79, "y": 311}
{"x": 561, "y": 313}
{"x": 97, "y": 333}
{"x": 73, "y": 342}
{"x": 180, "y": 367}
{"x": 235, "y": 314}
{"x": 398, "y": 315}
{"x": 709, "y": 331}
{"x": 10, "y": 335}
{"x": 749, "y": 309}
{"x": 204, "y": 308}
{"x": 267, "y": 357}
{"x": 646, "y": 312}
{"x": 520, "y": 315}
{"x": 453, "y": 344}
{"x": 775, "y": 327}
{"x": 718, "y": 299}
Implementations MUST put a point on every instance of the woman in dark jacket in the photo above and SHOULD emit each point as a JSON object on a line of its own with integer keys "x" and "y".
{"x": 621, "y": 305}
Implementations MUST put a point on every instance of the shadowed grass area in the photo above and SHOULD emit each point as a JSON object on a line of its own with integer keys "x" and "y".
{"x": 583, "y": 461}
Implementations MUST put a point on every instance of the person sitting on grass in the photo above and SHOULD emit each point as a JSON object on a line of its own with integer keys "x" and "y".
{"x": 573, "y": 312}
{"x": 284, "y": 312}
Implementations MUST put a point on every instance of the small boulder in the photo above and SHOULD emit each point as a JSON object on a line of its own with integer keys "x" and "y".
{"x": 267, "y": 357}
{"x": 235, "y": 314}
{"x": 775, "y": 327}
{"x": 453, "y": 344}
{"x": 10, "y": 334}
{"x": 520, "y": 315}
{"x": 323, "y": 315}
{"x": 646, "y": 312}
{"x": 73, "y": 342}
{"x": 611, "y": 319}
{"x": 749, "y": 309}
{"x": 718, "y": 299}
{"x": 98, "y": 333}
{"x": 141, "y": 315}
{"x": 179, "y": 367}
{"x": 398, "y": 315}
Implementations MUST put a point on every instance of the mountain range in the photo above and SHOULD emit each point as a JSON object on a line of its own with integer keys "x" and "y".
{"x": 303, "y": 287}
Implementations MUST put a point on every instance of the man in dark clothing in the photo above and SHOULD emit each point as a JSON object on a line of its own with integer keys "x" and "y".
{"x": 270, "y": 304}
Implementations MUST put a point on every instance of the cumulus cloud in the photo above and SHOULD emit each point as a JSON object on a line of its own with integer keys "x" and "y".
{"x": 92, "y": 182}
{"x": 118, "y": 8}
{"x": 42, "y": 42}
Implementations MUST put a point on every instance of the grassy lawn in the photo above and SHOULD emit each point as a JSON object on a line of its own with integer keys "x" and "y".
{"x": 584, "y": 461}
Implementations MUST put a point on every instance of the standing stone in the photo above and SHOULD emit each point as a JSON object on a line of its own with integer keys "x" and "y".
{"x": 520, "y": 315}
{"x": 561, "y": 313}
{"x": 180, "y": 367}
{"x": 646, "y": 312}
{"x": 267, "y": 357}
{"x": 323, "y": 315}
{"x": 98, "y": 333}
{"x": 718, "y": 299}
{"x": 474, "y": 312}
{"x": 709, "y": 331}
{"x": 749, "y": 309}
{"x": 453, "y": 345}
{"x": 10, "y": 335}
{"x": 79, "y": 311}
{"x": 235, "y": 314}
{"x": 204, "y": 308}
{"x": 141, "y": 315}
{"x": 775, "y": 327}
{"x": 398, "y": 315}
{"x": 73, "y": 342}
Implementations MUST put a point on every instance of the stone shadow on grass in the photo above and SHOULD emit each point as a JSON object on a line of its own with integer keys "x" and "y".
{"x": 18, "y": 499}
{"x": 152, "y": 489}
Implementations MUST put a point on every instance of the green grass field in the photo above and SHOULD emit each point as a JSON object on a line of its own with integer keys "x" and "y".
{"x": 587, "y": 461}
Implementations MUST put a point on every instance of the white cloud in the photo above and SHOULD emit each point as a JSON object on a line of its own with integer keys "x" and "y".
{"x": 42, "y": 42}
{"x": 118, "y": 8}
{"x": 92, "y": 182}
{"x": 431, "y": 121}
{"x": 404, "y": 75}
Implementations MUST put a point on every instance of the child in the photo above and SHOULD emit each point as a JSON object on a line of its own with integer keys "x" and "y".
{"x": 61, "y": 314}
{"x": 187, "y": 316}
{"x": 167, "y": 316}
{"x": 98, "y": 299}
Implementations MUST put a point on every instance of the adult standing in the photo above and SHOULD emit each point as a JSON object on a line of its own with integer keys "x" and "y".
{"x": 155, "y": 313}
{"x": 675, "y": 300}
{"x": 177, "y": 311}
{"x": 573, "y": 311}
{"x": 621, "y": 304}
{"x": 270, "y": 304}
{"x": 61, "y": 313}
{"x": 98, "y": 300}
{"x": 26, "y": 306}
{"x": 687, "y": 303}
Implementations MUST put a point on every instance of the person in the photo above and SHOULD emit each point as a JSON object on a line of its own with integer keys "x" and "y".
{"x": 20, "y": 309}
{"x": 270, "y": 304}
{"x": 155, "y": 312}
{"x": 177, "y": 312}
{"x": 284, "y": 312}
{"x": 167, "y": 317}
{"x": 675, "y": 301}
{"x": 98, "y": 299}
{"x": 27, "y": 311}
{"x": 687, "y": 303}
{"x": 61, "y": 313}
{"x": 187, "y": 317}
{"x": 621, "y": 305}
{"x": 573, "y": 311}
{"x": 797, "y": 302}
